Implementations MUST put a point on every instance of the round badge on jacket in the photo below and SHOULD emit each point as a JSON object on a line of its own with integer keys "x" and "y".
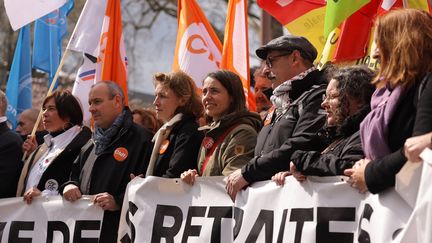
{"x": 207, "y": 142}
{"x": 163, "y": 147}
{"x": 269, "y": 116}
{"x": 120, "y": 154}
{"x": 51, "y": 185}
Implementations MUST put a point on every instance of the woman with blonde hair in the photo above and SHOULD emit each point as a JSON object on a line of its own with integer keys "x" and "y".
{"x": 177, "y": 142}
{"x": 404, "y": 47}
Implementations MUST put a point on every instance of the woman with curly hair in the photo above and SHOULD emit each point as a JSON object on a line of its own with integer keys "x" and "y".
{"x": 346, "y": 103}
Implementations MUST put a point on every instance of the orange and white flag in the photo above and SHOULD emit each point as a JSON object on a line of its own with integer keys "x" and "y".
{"x": 111, "y": 59}
{"x": 198, "y": 49}
{"x": 235, "y": 54}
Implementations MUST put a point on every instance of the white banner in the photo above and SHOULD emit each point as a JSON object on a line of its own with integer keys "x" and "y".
{"x": 49, "y": 219}
{"x": 322, "y": 209}
{"x": 157, "y": 209}
{"x": 419, "y": 226}
{"x": 22, "y": 12}
{"x": 318, "y": 210}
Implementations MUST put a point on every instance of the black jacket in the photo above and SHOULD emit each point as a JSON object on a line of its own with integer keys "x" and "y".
{"x": 10, "y": 161}
{"x": 414, "y": 108}
{"x": 343, "y": 151}
{"x": 59, "y": 170}
{"x": 293, "y": 130}
{"x": 112, "y": 176}
{"x": 182, "y": 151}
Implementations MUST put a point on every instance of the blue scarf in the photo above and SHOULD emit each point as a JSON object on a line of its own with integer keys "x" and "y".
{"x": 103, "y": 138}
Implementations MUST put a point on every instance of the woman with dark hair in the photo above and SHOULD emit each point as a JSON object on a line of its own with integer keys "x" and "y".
{"x": 346, "y": 103}
{"x": 177, "y": 142}
{"x": 404, "y": 47}
{"x": 231, "y": 132}
{"x": 49, "y": 165}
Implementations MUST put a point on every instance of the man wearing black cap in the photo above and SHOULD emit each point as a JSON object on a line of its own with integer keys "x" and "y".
{"x": 296, "y": 115}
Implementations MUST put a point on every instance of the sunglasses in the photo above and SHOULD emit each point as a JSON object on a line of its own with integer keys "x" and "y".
{"x": 269, "y": 60}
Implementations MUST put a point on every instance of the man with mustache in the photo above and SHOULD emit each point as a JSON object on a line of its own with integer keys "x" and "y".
{"x": 296, "y": 116}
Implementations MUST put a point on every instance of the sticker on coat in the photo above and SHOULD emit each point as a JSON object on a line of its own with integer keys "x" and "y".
{"x": 163, "y": 147}
{"x": 207, "y": 142}
{"x": 239, "y": 149}
{"x": 51, "y": 185}
{"x": 120, "y": 154}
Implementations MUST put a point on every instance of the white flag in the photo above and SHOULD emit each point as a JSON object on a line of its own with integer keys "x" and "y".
{"x": 84, "y": 80}
{"x": 87, "y": 32}
{"x": 198, "y": 49}
{"x": 22, "y": 12}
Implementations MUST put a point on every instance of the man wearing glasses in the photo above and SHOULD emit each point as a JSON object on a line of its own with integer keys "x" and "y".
{"x": 296, "y": 115}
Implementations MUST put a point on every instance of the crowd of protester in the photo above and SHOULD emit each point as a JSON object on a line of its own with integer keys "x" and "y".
{"x": 336, "y": 121}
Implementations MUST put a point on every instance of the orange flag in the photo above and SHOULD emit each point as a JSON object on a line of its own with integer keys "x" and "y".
{"x": 198, "y": 49}
{"x": 111, "y": 60}
{"x": 235, "y": 54}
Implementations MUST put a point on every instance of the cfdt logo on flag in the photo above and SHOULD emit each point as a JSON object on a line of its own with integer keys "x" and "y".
{"x": 197, "y": 46}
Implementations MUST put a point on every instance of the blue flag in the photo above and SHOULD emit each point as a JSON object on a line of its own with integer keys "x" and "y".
{"x": 48, "y": 35}
{"x": 19, "y": 85}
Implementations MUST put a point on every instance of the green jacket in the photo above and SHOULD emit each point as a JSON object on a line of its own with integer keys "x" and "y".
{"x": 236, "y": 149}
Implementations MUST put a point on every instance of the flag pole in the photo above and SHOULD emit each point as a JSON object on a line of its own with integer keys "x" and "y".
{"x": 54, "y": 81}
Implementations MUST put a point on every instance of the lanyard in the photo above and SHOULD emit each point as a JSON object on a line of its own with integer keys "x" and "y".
{"x": 214, "y": 146}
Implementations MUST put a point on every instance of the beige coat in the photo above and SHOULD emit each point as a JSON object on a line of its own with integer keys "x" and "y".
{"x": 236, "y": 149}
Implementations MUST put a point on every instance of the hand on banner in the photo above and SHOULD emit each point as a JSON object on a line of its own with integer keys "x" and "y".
{"x": 71, "y": 193}
{"x": 298, "y": 175}
{"x": 29, "y": 144}
{"x": 30, "y": 194}
{"x": 133, "y": 176}
{"x": 234, "y": 183}
{"x": 106, "y": 201}
{"x": 357, "y": 175}
{"x": 189, "y": 176}
{"x": 415, "y": 145}
{"x": 279, "y": 178}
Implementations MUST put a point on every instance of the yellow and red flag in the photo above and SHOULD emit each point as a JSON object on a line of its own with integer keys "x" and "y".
{"x": 352, "y": 37}
{"x": 300, "y": 17}
{"x": 198, "y": 49}
{"x": 351, "y": 40}
{"x": 235, "y": 54}
{"x": 111, "y": 59}
{"x": 354, "y": 40}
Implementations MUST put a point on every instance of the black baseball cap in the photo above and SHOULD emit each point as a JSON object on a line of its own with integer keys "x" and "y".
{"x": 289, "y": 43}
